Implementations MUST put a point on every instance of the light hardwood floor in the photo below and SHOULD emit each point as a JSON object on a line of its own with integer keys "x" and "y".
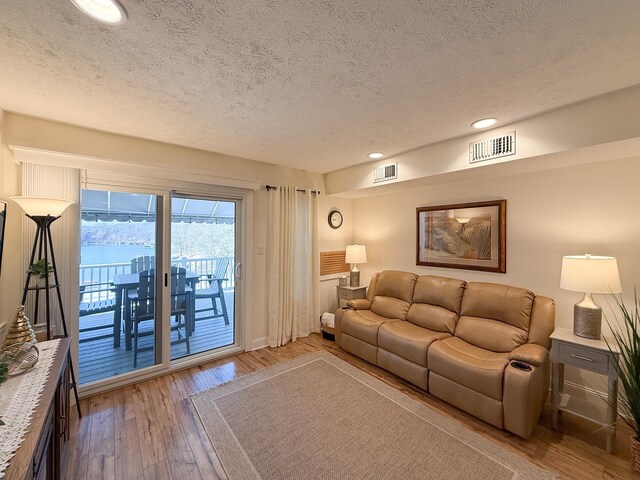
{"x": 150, "y": 430}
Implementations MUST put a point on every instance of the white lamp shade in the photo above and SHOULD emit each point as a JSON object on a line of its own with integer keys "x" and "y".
{"x": 590, "y": 274}
{"x": 356, "y": 254}
{"x": 41, "y": 207}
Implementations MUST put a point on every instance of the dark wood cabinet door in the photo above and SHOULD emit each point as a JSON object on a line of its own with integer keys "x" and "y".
{"x": 44, "y": 458}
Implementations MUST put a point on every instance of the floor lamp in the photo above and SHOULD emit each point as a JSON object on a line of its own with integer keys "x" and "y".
{"x": 45, "y": 211}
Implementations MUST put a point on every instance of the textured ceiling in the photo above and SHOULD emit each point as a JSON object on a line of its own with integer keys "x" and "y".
{"x": 313, "y": 84}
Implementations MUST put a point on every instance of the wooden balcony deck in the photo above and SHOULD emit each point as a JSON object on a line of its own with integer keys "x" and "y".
{"x": 98, "y": 359}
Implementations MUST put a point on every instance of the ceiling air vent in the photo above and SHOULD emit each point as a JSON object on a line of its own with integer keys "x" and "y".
{"x": 492, "y": 148}
{"x": 385, "y": 173}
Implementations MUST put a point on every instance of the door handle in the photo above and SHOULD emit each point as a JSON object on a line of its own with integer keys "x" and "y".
{"x": 238, "y": 270}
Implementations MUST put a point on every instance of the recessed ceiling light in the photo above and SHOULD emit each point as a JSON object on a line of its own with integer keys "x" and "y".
{"x": 484, "y": 123}
{"x": 376, "y": 155}
{"x": 104, "y": 11}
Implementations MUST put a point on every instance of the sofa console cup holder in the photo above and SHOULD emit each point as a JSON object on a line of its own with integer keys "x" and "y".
{"x": 521, "y": 366}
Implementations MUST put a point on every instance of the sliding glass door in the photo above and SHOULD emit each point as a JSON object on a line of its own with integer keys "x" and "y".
{"x": 203, "y": 246}
{"x": 118, "y": 302}
{"x": 157, "y": 281}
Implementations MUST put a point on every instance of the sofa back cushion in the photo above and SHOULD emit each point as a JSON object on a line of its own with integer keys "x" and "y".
{"x": 495, "y": 317}
{"x": 393, "y": 294}
{"x": 436, "y": 303}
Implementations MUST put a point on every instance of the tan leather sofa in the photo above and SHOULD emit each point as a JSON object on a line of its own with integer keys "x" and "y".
{"x": 482, "y": 347}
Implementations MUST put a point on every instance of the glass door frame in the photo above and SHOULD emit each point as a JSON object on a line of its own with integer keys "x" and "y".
{"x": 162, "y": 299}
{"x": 162, "y": 350}
{"x": 238, "y": 319}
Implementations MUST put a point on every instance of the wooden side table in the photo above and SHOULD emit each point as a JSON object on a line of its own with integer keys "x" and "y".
{"x": 592, "y": 355}
{"x": 350, "y": 293}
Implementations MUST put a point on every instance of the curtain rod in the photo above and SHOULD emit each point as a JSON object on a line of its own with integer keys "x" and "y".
{"x": 301, "y": 190}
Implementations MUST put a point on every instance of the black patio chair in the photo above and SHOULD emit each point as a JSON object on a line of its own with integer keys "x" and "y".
{"x": 213, "y": 291}
{"x": 143, "y": 305}
{"x": 140, "y": 264}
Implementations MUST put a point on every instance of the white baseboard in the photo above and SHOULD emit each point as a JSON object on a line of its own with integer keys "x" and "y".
{"x": 258, "y": 343}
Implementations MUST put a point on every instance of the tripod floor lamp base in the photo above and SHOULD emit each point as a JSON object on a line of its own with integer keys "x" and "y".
{"x": 45, "y": 211}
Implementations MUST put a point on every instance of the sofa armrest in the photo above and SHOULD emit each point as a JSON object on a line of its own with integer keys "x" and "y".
{"x": 359, "y": 304}
{"x": 530, "y": 353}
{"x": 338, "y": 324}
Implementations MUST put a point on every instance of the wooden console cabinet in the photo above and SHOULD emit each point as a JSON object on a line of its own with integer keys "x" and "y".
{"x": 42, "y": 452}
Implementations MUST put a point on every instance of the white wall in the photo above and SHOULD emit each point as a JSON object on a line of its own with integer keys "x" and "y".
{"x": 592, "y": 208}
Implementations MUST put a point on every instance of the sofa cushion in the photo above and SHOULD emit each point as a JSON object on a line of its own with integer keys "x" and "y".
{"x": 363, "y": 325}
{"x": 432, "y": 317}
{"x": 408, "y": 341}
{"x": 400, "y": 285}
{"x": 390, "y": 307}
{"x": 436, "y": 303}
{"x": 475, "y": 368}
{"x": 511, "y": 305}
{"x": 495, "y": 317}
{"x": 440, "y": 291}
{"x": 393, "y": 294}
{"x": 490, "y": 334}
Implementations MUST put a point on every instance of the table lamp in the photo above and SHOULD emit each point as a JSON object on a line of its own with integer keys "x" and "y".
{"x": 355, "y": 254}
{"x": 589, "y": 274}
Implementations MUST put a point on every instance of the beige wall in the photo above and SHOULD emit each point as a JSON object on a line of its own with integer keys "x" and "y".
{"x": 592, "y": 208}
{"x": 11, "y": 276}
{"x": 608, "y": 126}
{"x": 329, "y": 240}
{"x": 2, "y": 197}
{"x": 129, "y": 152}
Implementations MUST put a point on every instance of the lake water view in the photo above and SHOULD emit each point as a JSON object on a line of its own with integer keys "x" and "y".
{"x": 96, "y": 254}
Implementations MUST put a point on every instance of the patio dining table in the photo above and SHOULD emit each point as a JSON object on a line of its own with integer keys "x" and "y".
{"x": 126, "y": 282}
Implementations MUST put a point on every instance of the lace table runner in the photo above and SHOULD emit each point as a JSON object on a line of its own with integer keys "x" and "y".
{"x": 19, "y": 397}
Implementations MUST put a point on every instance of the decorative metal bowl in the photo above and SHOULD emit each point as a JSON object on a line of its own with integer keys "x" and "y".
{"x": 20, "y": 357}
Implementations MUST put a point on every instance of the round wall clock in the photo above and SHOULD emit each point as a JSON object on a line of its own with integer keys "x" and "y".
{"x": 335, "y": 219}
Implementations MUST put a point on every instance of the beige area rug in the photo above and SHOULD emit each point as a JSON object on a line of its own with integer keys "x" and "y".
{"x": 317, "y": 417}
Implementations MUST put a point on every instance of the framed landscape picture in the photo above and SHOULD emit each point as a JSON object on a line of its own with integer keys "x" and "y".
{"x": 465, "y": 235}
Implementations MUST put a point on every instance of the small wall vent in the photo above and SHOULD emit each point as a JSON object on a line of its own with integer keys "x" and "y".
{"x": 492, "y": 148}
{"x": 385, "y": 173}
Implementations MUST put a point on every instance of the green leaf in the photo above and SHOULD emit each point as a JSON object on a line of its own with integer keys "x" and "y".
{"x": 626, "y": 339}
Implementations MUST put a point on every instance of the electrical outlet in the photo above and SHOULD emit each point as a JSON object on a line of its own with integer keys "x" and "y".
{"x": 260, "y": 249}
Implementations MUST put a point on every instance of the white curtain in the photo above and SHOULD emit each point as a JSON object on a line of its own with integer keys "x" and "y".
{"x": 293, "y": 279}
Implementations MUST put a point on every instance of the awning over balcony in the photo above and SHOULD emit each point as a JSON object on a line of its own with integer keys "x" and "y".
{"x": 131, "y": 207}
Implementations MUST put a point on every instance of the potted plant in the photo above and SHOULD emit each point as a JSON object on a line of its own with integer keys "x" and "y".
{"x": 626, "y": 342}
{"x": 40, "y": 270}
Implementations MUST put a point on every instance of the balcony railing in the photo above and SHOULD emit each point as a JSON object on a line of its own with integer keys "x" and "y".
{"x": 104, "y": 273}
